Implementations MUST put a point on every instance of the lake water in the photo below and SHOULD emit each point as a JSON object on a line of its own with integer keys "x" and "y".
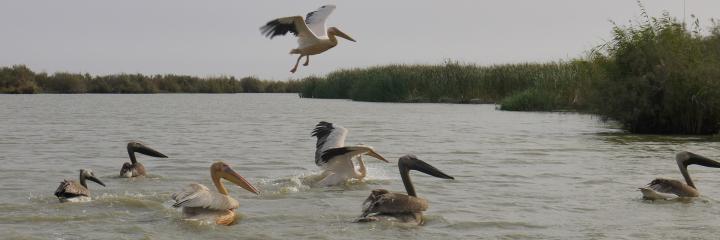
{"x": 518, "y": 175}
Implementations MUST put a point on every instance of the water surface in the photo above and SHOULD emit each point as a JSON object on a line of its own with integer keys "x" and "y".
{"x": 518, "y": 175}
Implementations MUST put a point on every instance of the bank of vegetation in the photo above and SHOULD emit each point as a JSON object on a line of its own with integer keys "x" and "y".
{"x": 21, "y": 79}
{"x": 654, "y": 76}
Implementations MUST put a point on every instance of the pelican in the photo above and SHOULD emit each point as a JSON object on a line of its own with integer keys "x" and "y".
{"x": 134, "y": 168}
{"x": 662, "y": 188}
{"x": 72, "y": 191}
{"x": 332, "y": 155}
{"x": 313, "y": 38}
{"x": 382, "y": 204}
{"x": 198, "y": 201}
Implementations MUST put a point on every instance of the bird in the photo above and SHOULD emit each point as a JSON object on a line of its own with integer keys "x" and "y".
{"x": 74, "y": 191}
{"x": 665, "y": 189}
{"x": 385, "y": 205}
{"x": 335, "y": 158}
{"x": 313, "y": 37}
{"x": 198, "y": 202}
{"x": 134, "y": 168}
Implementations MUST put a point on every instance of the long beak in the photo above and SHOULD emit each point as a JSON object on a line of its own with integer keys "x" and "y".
{"x": 372, "y": 153}
{"x": 230, "y": 175}
{"x": 343, "y": 35}
{"x": 94, "y": 179}
{"x": 428, "y": 169}
{"x": 147, "y": 151}
{"x": 702, "y": 161}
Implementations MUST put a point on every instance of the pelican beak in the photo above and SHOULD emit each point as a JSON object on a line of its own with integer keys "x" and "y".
{"x": 702, "y": 161}
{"x": 372, "y": 153}
{"x": 141, "y": 148}
{"x": 343, "y": 35}
{"x": 428, "y": 169}
{"x": 232, "y": 176}
{"x": 94, "y": 179}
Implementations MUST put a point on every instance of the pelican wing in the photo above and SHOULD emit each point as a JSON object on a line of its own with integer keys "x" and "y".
{"x": 315, "y": 20}
{"x": 670, "y": 186}
{"x": 382, "y": 201}
{"x": 197, "y": 195}
{"x": 282, "y": 26}
{"x": 69, "y": 189}
{"x": 329, "y": 136}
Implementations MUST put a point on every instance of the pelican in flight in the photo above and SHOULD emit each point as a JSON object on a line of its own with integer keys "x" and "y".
{"x": 134, "y": 168}
{"x": 72, "y": 191}
{"x": 384, "y": 205}
{"x": 199, "y": 202}
{"x": 662, "y": 188}
{"x": 332, "y": 155}
{"x": 312, "y": 36}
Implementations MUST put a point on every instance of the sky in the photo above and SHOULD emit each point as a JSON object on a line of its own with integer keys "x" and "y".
{"x": 222, "y": 38}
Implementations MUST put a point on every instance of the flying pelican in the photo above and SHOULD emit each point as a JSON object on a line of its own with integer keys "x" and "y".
{"x": 332, "y": 155}
{"x": 198, "y": 201}
{"x": 382, "y": 204}
{"x": 72, "y": 191}
{"x": 313, "y": 38}
{"x": 134, "y": 168}
{"x": 662, "y": 188}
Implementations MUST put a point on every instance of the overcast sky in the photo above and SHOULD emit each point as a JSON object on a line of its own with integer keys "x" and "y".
{"x": 211, "y": 38}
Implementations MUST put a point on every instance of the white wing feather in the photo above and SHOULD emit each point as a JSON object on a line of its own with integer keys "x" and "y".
{"x": 315, "y": 20}
{"x": 197, "y": 195}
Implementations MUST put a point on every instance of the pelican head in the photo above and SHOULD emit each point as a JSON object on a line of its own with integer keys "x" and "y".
{"x": 684, "y": 159}
{"x": 371, "y": 152}
{"x": 410, "y": 162}
{"x": 333, "y": 31}
{"x": 134, "y": 146}
{"x": 89, "y": 175}
{"x": 221, "y": 170}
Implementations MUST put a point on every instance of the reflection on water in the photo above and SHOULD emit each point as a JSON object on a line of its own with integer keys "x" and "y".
{"x": 518, "y": 175}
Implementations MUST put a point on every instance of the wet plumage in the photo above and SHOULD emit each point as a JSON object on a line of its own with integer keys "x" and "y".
{"x": 135, "y": 168}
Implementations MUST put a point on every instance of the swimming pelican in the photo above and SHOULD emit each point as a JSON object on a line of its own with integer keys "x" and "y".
{"x": 198, "y": 201}
{"x": 382, "y": 204}
{"x": 72, "y": 191}
{"x": 134, "y": 168}
{"x": 332, "y": 155}
{"x": 313, "y": 38}
{"x": 662, "y": 188}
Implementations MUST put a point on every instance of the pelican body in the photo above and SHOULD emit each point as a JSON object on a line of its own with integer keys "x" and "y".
{"x": 312, "y": 36}
{"x": 662, "y": 188}
{"x": 198, "y": 202}
{"x": 135, "y": 168}
{"x": 74, "y": 191}
{"x": 385, "y": 205}
{"x": 335, "y": 158}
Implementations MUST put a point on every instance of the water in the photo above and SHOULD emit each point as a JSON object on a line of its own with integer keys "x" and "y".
{"x": 518, "y": 175}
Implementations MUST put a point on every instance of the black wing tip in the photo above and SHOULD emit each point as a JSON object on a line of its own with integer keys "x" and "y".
{"x": 276, "y": 28}
{"x": 322, "y": 129}
{"x": 330, "y": 153}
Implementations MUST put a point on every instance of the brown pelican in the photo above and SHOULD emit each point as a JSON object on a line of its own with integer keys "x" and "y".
{"x": 313, "y": 38}
{"x": 134, "y": 168}
{"x": 662, "y": 188}
{"x": 382, "y": 204}
{"x": 72, "y": 191}
{"x": 332, "y": 155}
{"x": 198, "y": 201}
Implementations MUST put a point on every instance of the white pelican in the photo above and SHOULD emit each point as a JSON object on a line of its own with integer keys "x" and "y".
{"x": 72, "y": 191}
{"x": 313, "y": 38}
{"x": 198, "y": 201}
{"x": 134, "y": 168}
{"x": 384, "y": 205}
{"x": 332, "y": 155}
{"x": 662, "y": 188}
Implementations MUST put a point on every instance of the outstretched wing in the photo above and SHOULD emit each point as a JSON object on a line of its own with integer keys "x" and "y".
{"x": 329, "y": 136}
{"x": 197, "y": 195}
{"x": 281, "y": 26}
{"x": 315, "y": 20}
